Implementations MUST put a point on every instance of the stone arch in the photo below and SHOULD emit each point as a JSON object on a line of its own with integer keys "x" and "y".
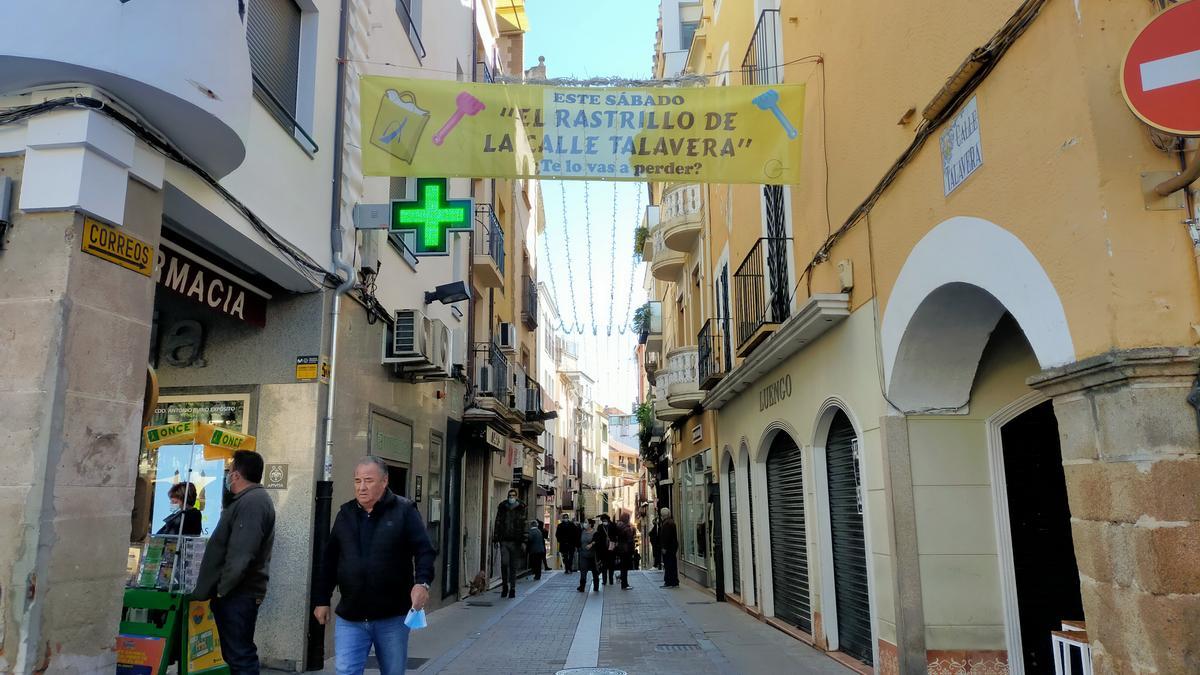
{"x": 955, "y": 285}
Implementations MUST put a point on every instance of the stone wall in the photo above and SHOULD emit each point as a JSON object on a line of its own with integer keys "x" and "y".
{"x": 1131, "y": 453}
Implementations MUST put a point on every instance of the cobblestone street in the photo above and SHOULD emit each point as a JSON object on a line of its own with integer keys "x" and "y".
{"x": 647, "y": 630}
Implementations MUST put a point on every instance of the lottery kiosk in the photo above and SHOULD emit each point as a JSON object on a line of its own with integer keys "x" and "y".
{"x": 160, "y": 623}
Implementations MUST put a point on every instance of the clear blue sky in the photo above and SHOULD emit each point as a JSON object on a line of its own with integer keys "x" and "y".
{"x": 594, "y": 39}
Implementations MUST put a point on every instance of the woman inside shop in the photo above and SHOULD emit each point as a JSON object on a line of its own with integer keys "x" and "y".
{"x": 184, "y": 513}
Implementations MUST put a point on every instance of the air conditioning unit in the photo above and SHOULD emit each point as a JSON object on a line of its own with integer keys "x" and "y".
{"x": 506, "y": 338}
{"x": 442, "y": 348}
{"x": 410, "y": 339}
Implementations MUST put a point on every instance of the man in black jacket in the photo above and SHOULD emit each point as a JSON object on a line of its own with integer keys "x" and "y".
{"x": 567, "y": 535}
{"x": 234, "y": 570}
{"x": 511, "y": 532}
{"x": 380, "y": 557}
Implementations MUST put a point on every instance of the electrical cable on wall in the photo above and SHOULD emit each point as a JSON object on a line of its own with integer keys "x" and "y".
{"x": 305, "y": 263}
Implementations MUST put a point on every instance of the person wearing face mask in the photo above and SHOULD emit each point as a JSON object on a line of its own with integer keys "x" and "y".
{"x": 184, "y": 514}
{"x": 510, "y": 531}
{"x": 234, "y": 571}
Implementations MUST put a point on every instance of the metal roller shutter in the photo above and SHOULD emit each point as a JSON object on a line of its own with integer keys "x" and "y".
{"x": 789, "y": 538}
{"x": 733, "y": 528}
{"x": 273, "y": 36}
{"x": 849, "y": 542}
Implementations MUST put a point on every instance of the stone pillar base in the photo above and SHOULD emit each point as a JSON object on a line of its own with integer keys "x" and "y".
{"x": 1131, "y": 454}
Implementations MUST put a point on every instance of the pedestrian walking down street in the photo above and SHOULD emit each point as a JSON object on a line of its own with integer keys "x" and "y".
{"x": 654, "y": 544}
{"x": 536, "y": 549}
{"x": 511, "y": 531}
{"x": 545, "y": 530}
{"x": 380, "y": 557}
{"x": 234, "y": 571}
{"x": 567, "y": 535}
{"x": 590, "y": 541}
{"x": 625, "y": 549}
{"x": 668, "y": 540}
{"x": 607, "y": 555}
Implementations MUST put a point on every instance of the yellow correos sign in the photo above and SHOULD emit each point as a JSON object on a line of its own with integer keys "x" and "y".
{"x": 741, "y": 134}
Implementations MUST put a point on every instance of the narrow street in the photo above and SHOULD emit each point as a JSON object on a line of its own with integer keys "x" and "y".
{"x": 647, "y": 630}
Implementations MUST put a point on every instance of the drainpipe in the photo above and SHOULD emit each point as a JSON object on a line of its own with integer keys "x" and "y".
{"x": 315, "y": 653}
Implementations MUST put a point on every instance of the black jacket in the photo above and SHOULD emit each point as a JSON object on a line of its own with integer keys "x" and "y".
{"x": 238, "y": 554}
{"x": 190, "y": 519}
{"x": 668, "y": 536}
{"x": 511, "y": 523}
{"x": 376, "y": 575}
{"x": 567, "y": 534}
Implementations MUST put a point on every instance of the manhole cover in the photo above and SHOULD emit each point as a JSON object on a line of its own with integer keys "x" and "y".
{"x": 591, "y": 671}
{"x": 677, "y": 648}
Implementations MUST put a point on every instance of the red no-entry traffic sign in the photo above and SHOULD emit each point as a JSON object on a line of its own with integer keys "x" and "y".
{"x": 1161, "y": 74}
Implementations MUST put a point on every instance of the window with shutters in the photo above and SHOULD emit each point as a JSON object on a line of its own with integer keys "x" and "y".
{"x": 273, "y": 30}
{"x": 409, "y": 12}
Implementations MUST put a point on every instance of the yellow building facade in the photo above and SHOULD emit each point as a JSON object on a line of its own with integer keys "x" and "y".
{"x": 950, "y": 369}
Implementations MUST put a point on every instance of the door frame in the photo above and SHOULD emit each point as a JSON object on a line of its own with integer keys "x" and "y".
{"x": 1008, "y": 573}
{"x": 824, "y": 538}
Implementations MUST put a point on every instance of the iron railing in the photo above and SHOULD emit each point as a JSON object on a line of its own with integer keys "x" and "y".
{"x": 714, "y": 352}
{"x": 491, "y": 371}
{"x": 549, "y": 466}
{"x": 761, "y": 64}
{"x": 282, "y": 112}
{"x": 404, "y": 11}
{"x": 489, "y": 236}
{"x": 529, "y": 306}
{"x": 760, "y": 288}
{"x": 483, "y": 73}
{"x": 532, "y": 405}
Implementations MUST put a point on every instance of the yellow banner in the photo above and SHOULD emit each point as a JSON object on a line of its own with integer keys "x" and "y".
{"x": 221, "y": 443}
{"x": 170, "y": 434}
{"x": 740, "y": 134}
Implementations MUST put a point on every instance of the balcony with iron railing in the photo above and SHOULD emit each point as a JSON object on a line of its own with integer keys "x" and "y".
{"x": 761, "y": 65}
{"x": 492, "y": 376}
{"x": 714, "y": 352}
{"x": 682, "y": 214}
{"x": 484, "y": 73}
{"x": 529, "y": 302}
{"x": 489, "y": 247}
{"x": 666, "y": 263}
{"x": 531, "y": 405}
{"x": 549, "y": 465}
{"x": 761, "y": 293}
{"x": 683, "y": 385}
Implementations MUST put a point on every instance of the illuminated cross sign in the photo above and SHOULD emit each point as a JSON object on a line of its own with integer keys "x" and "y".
{"x": 431, "y": 216}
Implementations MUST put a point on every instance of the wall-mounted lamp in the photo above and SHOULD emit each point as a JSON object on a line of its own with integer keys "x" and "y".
{"x": 448, "y": 293}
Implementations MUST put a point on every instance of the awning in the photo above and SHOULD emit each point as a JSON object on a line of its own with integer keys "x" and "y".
{"x": 512, "y": 16}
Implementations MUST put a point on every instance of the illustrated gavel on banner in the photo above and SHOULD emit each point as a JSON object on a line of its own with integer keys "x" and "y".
{"x": 466, "y": 104}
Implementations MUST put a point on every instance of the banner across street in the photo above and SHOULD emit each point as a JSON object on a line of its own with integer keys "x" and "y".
{"x": 741, "y": 134}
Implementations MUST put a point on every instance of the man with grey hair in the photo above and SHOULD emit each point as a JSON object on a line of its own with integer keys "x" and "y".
{"x": 380, "y": 557}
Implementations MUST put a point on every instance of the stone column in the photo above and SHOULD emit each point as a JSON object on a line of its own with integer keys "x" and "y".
{"x": 1130, "y": 453}
{"x": 74, "y": 339}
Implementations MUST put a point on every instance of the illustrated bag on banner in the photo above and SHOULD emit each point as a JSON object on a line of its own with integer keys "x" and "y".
{"x": 737, "y": 134}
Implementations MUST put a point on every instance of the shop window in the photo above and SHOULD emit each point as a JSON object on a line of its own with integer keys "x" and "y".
{"x": 165, "y": 466}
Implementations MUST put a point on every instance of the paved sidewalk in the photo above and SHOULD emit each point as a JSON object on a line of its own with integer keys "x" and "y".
{"x": 647, "y": 630}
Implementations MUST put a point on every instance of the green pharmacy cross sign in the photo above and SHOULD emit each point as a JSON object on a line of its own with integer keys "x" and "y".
{"x": 431, "y": 216}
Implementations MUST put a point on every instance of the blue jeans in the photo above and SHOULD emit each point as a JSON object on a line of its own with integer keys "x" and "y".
{"x": 236, "y": 616}
{"x": 353, "y": 640}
